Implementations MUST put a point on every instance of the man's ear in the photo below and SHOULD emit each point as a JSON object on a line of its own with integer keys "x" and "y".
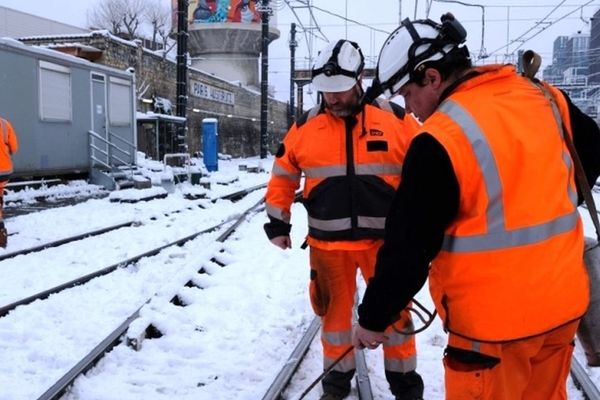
{"x": 432, "y": 76}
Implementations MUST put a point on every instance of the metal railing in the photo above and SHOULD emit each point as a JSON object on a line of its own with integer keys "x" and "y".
{"x": 112, "y": 154}
{"x": 186, "y": 162}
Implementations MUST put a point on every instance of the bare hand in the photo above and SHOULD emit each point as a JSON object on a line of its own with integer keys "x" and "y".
{"x": 362, "y": 338}
{"x": 283, "y": 242}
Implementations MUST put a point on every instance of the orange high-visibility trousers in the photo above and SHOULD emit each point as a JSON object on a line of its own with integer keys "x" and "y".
{"x": 530, "y": 369}
{"x": 332, "y": 293}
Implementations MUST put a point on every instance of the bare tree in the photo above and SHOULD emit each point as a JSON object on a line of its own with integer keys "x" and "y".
{"x": 158, "y": 15}
{"x": 133, "y": 17}
{"x": 107, "y": 14}
{"x": 120, "y": 17}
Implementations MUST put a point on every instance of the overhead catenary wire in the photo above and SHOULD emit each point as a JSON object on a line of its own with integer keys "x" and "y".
{"x": 482, "y": 53}
{"x": 548, "y": 24}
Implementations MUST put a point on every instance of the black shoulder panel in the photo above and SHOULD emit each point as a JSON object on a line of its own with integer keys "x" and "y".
{"x": 305, "y": 117}
{"x": 389, "y": 106}
{"x": 398, "y": 110}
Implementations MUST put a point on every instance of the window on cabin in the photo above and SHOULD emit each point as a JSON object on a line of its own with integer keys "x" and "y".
{"x": 55, "y": 92}
{"x": 120, "y": 108}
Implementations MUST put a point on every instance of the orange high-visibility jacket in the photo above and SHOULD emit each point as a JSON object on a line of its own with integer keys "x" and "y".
{"x": 8, "y": 147}
{"x": 351, "y": 172}
{"x": 511, "y": 264}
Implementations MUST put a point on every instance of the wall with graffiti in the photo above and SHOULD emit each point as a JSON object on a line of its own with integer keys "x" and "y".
{"x": 208, "y": 11}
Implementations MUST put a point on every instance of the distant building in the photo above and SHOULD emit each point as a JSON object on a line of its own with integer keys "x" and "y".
{"x": 577, "y": 50}
{"x": 18, "y": 24}
{"x": 594, "y": 50}
{"x": 573, "y": 62}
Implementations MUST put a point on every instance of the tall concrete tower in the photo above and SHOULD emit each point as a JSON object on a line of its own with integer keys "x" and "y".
{"x": 225, "y": 38}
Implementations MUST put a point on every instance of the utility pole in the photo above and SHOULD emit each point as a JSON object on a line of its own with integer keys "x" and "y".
{"x": 293, "y": 45}
{"x": 265, "y": 11}
{"x": 181, "y": 93}
{"x": 399, "y": 12}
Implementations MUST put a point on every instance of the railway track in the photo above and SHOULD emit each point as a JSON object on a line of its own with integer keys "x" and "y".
{"x": 5, "y": 309}
{"x": 234, "y": 196}
{"x": 116, "y": 336}
{"x": 138, "y": 327}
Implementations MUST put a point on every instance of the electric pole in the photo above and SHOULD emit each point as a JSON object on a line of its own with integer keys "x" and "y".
{"x": 181, "y": 92}
{"x": 399, "y": 12}
{"x": 265, "y": 11}
{"x": 293, "y": 45}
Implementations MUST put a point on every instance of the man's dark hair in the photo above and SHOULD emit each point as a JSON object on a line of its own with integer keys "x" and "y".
{"x": 454, "y": 63}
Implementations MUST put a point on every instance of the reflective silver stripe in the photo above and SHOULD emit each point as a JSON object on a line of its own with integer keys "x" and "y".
{"x": 339, "y": 224}
{"x": 371, "y": 222}
{"x": 338, "y": 338}
{"x": 395, "y": 338}
{"x": 361, "y": 169}
{"x": 379, "y": 169}
{"x": 325, "y": 172}
{"x": 512, "y": 238}
{"x": 497, "y": 236}
{"x": 405, "y": 365}
{"x": 486, "y": 161}
{"x": 384, "y": 105}
{"x": 572, "y": 193}
{"x": 279, "y": 171}
{"x": 278, "y": 213}
{"x": 476, "y": 346}
{"x": 347, "y": 363}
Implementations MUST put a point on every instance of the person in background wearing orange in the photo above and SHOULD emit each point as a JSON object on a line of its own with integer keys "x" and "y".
{"x": 8, "y": 147}
{"x": 487, "y": 210}
{"x": 351, "y": 155}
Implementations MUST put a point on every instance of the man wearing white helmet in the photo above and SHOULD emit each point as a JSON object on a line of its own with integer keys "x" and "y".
{"x": 351, "y": 156}
{"x": 487, "y": 210}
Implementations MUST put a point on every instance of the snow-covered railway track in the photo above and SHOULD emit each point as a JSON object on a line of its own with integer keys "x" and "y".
{"x": 583, "y": 381}
{"x": 82, "y": 279}
{"x": 150, "y": 281}
{"x": 234, "y": 196}
{"x": 280, "y": 388}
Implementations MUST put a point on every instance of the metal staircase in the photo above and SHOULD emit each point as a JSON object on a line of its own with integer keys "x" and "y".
{"x": 112, "y": 161}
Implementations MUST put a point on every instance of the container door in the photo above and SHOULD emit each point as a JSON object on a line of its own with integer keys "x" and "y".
{"x": 99, "y": 117}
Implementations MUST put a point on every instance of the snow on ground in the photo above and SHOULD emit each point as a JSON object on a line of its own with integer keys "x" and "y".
{"x": 229, "y": 342}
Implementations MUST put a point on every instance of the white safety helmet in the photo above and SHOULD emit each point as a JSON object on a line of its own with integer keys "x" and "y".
{"x": 410, "y": 46}
{"x": 338, "y": 67}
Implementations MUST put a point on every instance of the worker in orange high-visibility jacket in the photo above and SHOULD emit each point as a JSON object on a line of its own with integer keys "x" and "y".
{"x": 8, "y": 147}
{"x": 351, "y": 156}
{"x": 487, "y": 209}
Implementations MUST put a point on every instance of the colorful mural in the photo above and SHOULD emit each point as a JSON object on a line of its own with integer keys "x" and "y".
{"x": 208, "y": 11}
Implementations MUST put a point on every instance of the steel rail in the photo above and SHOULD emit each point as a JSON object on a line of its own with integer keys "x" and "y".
{"x": 114, "y": 338}
{"x": 104, "y": 271}
{"x": 283, "y": 378}
{"x": 583, "y": 381}
{"x": 60, "y": 242}
{"x": 231, "y": 196}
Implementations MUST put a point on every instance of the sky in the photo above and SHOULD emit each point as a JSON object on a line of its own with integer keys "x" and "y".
{"x": 509, "y": 25}
{"x": 228, "y": 343}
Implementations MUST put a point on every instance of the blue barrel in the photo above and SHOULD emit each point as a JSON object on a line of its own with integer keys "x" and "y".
{"x": 210, "y": 143}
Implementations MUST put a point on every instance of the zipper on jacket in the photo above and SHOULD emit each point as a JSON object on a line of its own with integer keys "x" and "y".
{"x": 350, "y": 123}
